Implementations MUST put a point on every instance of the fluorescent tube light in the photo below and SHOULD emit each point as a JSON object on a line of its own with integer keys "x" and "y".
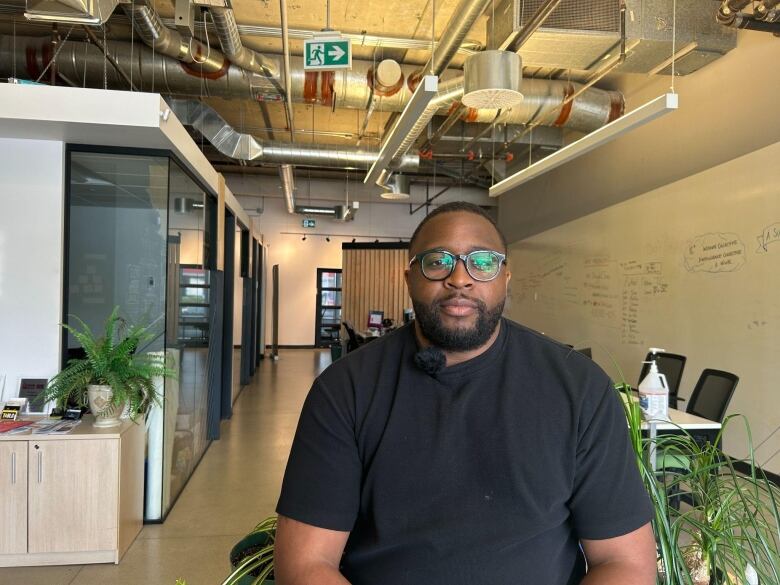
{"x": 429, "y": 86}
{"x": 86, "y": 19}
{"x": 634, "y": 119}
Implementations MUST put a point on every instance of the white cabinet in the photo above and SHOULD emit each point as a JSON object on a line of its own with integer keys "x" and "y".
{"x": 74, "y": 498}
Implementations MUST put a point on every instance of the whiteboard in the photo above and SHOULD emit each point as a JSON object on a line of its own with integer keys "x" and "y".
{"x": 692, "y": 267}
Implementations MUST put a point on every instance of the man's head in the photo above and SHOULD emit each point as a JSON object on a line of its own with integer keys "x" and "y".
{"x": 459, "y": 310}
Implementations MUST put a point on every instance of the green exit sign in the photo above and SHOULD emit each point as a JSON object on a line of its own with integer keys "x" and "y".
{"x": 331, "y": 52}
{"x": 308, "y": 223}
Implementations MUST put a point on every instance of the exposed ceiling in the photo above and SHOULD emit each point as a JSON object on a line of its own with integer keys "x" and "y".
{"x": 580, "y": 41}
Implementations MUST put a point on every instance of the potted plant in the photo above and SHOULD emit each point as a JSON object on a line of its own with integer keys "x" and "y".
{"x": 728, "y": 530}
{"x": 113, "y": 375}
{"x": 252, "y": 558}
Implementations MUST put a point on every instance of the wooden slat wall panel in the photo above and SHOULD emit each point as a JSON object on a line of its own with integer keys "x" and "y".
{"x": 373, "y": 280}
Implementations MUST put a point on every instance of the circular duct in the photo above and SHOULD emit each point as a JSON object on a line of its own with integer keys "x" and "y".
{"x": 491, "y": 80}
{"x": 400, "y": 188}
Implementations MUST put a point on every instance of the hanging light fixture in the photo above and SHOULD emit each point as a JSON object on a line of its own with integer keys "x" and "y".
{"x": 400, "y": 188}
{"x": 491, "y": 80}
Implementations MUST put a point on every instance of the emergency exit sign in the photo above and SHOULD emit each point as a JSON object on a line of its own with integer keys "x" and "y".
{"x": 323, "y": 53}
{"x": 308, "y": 223}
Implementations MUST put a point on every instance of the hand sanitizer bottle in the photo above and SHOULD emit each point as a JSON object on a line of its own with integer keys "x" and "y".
{"x": 654, "y": 394}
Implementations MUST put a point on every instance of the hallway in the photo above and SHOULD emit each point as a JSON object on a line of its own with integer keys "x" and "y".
{"x": 234, "y": 487}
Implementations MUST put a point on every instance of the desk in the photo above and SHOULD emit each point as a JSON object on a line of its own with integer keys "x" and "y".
{"x": 680, "y": 421}
{"x": 701, "y": 429}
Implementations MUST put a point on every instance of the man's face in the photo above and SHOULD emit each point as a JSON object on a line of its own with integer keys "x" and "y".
{"x": 457, "y": 313}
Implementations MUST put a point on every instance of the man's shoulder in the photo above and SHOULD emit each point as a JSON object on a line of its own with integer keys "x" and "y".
{"x": 551, "y": 358}
{"x": 371, "y": 358}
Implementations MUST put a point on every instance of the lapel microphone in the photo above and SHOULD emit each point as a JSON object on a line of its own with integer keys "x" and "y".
{"x": 430, "y": 360}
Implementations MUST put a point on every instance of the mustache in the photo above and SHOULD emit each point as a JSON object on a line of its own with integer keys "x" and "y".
{"x": 459, "y": 296}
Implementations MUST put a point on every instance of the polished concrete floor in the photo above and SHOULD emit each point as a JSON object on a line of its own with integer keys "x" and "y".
{"x": 234, "y": 487}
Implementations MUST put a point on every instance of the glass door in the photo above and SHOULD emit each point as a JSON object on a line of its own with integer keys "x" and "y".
{"x": 328, "y": 326}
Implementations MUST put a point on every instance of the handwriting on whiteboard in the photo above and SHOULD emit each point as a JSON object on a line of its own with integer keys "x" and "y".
{"x": 769, "y": 235}
{"x": 714, "y": 252}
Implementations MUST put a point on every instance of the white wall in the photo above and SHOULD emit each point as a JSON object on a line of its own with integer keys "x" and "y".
{"x": 298, "y": 260}
{"x": 31, "y": 235}
{"x": 691, "y": 267}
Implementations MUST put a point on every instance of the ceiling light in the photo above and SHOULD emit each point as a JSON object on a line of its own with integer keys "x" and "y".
{"x": 327, "y": 239}
{"x": 634, "y": 119}
{"x": 491, "y": 80}
{"x": 303, "y": 239}
{"x": 425, "y": 91}
{"x": 400, "y": 188}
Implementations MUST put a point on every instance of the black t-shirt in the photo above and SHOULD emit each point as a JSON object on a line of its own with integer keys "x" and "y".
{"x": 488, "y": 472}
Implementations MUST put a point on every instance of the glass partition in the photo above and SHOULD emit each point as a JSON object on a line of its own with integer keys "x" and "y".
{"x": 116, "y": 245}
{"x": 137, "y": 240}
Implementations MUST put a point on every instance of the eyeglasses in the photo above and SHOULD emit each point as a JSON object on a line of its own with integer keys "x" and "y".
{"x": 482, "y": 265}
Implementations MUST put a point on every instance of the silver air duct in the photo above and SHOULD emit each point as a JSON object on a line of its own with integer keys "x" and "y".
{"x": 348, "y": 88}
{"x": 233, "y": 48}
{"x": 288, "y": 186}
{"x": 245, "y": 147}
{"x": 467, "y": 12}
{"x": 169, "y": 42}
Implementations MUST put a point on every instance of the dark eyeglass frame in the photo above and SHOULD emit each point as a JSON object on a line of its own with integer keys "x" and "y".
{"x": 464, "y": 257}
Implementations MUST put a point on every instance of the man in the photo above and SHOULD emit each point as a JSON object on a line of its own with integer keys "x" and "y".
{"x": 462, "y": 448}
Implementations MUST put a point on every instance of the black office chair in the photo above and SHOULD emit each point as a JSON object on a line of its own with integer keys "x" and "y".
{"x": 709, "y": 400}
{"x": 670, "y": 365}
{"x": 712, "y": 394}
{"x": 354, "y": 340}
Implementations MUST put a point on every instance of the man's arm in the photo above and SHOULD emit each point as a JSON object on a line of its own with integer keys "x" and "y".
{"x": 307, "y": 555}
{"x": 624, "y": 560}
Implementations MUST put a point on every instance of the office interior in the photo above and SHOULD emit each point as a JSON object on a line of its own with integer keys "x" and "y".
{"x": 248, "y": 254}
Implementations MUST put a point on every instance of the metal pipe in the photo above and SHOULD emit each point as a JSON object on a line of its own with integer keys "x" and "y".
{"x": 766, "y": 11}
{"x": 169, "y": 42}
{"x": 537, "y": 20}
{"x": 346, "y": 89}
{"x": 454, "y": 116}
{"x": 729, "y": 9}
{"x": 749, "y": 23}
{"x": 288, "y": 186}
{"x": 467, "y": 12}
{"x": 287, "y": 76}
{"x": 230, "y": 41}
{"x": 109, "y": 56}
{"x": 246, "y": 147}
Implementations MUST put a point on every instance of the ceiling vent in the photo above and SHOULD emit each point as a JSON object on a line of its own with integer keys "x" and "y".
{"x": 491, "y": 80}
{"x": 75, "y": 11}
{"x": 580, "y": 34}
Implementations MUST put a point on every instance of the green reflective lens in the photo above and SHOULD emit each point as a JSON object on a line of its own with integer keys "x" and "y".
{"x": 483, "y": 264}
{"x": 437, "y": 264}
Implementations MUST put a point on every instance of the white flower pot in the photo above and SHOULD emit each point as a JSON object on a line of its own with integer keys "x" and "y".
{"x": 106, "y": 414}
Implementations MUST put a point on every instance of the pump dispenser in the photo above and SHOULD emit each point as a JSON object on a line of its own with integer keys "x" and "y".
{"x": 654, "y": 393}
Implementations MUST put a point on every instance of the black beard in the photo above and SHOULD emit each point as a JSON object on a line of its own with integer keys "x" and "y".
{"x": 429, "y": 319}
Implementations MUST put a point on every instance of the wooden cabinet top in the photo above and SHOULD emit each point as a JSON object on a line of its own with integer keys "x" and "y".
{"x": 85, "y": 430}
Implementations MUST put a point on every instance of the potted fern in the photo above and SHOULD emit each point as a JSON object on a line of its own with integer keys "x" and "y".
{"x": 113, "y": 375}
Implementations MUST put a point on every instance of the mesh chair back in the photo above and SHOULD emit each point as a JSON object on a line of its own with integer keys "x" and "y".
{"x": 712, "y": 394}
{"x": 353, "y": 342}
{"x": 670, "y": 365}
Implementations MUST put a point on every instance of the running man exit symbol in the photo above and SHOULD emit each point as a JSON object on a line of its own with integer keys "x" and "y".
{"x": 327, "y": 53}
